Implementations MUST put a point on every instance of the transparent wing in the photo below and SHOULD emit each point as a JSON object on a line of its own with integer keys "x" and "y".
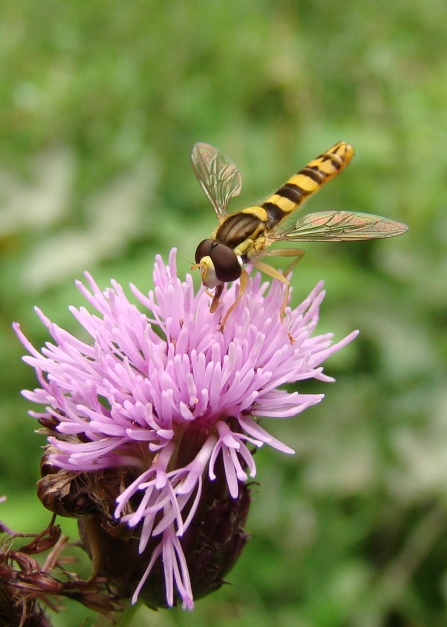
{"x": 339, "y": 226}
{"x": 218, "y": 176}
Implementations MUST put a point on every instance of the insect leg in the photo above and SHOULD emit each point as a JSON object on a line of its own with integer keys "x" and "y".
{"x": 242, "y": 287}
{"x": 298, "y": 253}
{"x": 216, "y": 296}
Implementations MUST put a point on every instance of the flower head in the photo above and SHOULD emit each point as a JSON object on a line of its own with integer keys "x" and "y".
{"x": 173, "y": 400}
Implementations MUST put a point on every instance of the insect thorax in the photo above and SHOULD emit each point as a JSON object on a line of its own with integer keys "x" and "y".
{"x": 238, "y": 228}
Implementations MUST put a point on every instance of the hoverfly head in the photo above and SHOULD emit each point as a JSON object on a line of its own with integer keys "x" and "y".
{"x": 218, "y": 263}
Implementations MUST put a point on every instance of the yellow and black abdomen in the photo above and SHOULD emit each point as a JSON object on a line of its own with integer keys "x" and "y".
{"x": 306, "y": 182}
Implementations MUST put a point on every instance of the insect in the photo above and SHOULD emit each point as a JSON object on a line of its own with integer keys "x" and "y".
{"x": 244, "y": 237}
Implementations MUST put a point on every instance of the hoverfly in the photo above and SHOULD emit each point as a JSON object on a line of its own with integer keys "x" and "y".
{"x": 244, "y": 237}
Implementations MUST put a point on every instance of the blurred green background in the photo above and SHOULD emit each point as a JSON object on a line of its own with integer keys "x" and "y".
{"x": 101, "y": 102}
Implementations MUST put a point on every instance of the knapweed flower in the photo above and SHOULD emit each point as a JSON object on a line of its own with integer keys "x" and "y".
{"x": 161, "y": 404}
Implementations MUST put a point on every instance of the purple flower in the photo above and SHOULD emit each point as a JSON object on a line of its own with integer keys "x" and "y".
{"x": 170, "y": 395}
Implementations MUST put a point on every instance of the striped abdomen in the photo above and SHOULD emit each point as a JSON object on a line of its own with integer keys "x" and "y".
{"x": 307, "y": 181}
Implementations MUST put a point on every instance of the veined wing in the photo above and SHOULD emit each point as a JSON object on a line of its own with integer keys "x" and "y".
{"x": 218, "y": 176}
{"x": 339, "y": 226}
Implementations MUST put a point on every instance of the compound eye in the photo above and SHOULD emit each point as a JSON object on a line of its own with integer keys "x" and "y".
{"x": 226, "y": 264}
{"x": 204, "y": 249}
